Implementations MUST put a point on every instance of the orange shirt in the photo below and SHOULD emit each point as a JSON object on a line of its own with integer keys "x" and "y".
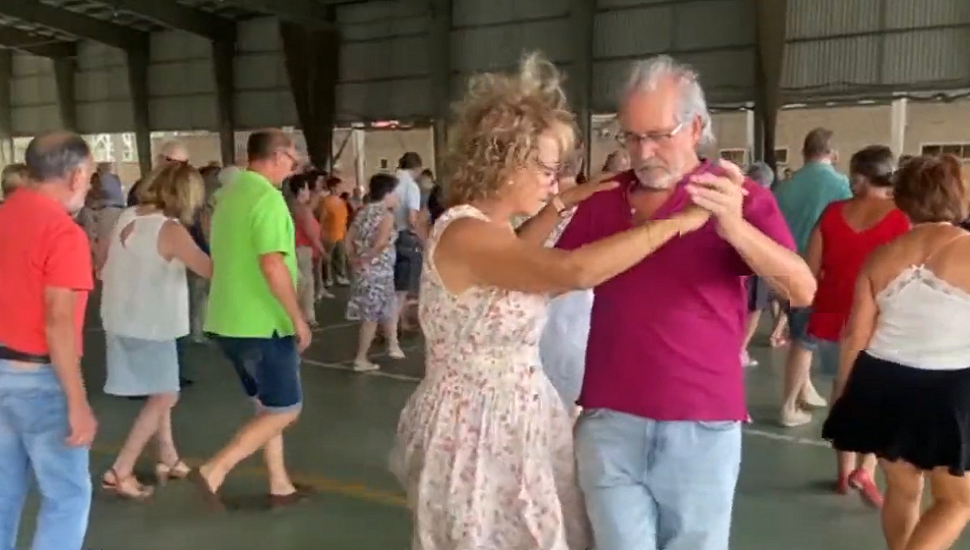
{"x": 40, "y": 246}
{"x": 333, "y": 212}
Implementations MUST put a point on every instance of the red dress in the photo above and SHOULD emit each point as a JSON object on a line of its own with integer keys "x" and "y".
{"x": 844, "y": 250}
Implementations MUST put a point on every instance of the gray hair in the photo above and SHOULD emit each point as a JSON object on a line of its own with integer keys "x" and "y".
{"x": 55, "y": 155}
{"x": 762, "y": 174}
{"x": 647, "y": 74}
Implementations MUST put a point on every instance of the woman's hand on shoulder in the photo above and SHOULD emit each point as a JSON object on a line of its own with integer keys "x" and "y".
{"x": 578, "y": 193}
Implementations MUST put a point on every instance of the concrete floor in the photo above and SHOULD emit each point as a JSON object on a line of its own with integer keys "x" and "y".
{"x": 340, "y": 447}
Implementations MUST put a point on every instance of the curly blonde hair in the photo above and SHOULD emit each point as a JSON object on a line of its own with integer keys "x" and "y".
{"x": 177, "y": 189}
{"x": 497, "y": 125}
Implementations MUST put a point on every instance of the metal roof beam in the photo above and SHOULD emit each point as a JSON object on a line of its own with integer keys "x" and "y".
{"x": 306, "y": 12}
{"x": 16, "y": 39}
{"x": 181, "y": 17}
{"x": 69, "y": 22}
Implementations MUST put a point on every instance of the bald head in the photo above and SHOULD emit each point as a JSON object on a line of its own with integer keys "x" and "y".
{"x": 172, "y": 151}
{"x": 56, "y": 155}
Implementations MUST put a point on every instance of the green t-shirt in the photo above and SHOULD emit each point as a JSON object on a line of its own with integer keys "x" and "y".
{"x": 251, "y": 219}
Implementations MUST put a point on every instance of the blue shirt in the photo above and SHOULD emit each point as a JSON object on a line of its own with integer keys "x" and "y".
{"x": 803, "y": 198}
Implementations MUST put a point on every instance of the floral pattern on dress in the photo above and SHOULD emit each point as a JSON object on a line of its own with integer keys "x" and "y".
{"x": 484, "y": 445}
{"x": 372, "y": 295}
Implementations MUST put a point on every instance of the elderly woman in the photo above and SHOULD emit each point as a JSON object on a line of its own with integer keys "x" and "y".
{"x": 484, "y": 445}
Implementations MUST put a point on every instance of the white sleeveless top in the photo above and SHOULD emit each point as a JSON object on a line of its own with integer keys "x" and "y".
{"x": 922, "y": 322}
{"x": 143, "y": 296}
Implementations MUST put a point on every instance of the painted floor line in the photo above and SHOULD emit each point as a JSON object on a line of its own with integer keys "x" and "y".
{"x": 795, "y": 440}
{"x": 322, "y": 484}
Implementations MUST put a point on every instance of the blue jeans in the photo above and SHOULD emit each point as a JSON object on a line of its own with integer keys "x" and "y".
{"x": 798, "y": 319}
{"x": 33, "y": 426}
{"x": 653, "y": 485}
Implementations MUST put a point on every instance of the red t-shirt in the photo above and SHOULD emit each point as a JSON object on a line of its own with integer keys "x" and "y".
{"x": 844, "y": 251}
{"x": 664, "y": 335}
{"x": 40, "y": 246}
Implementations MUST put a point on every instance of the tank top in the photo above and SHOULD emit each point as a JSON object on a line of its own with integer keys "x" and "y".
{"x": 844, "y": 251}
{"x": 144, "y": 295}
{"x": 920, "y": 322}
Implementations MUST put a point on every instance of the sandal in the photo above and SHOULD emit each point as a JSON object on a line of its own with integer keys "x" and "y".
{"x": 165, "y": 472}
{"x": 127, "y": 488}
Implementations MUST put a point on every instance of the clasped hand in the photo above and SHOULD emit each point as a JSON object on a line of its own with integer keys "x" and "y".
{"x": 721, "y": 195}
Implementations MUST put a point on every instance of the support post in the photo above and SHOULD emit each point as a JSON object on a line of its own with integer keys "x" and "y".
{"x": 897, "y": 141}
{"x": 64, "y": 72}
{"x": 441, "y": 89}
{"x": 223, "y": 65}
{"x": 6, "y": 106}
{"x": 582, "y": 23}
{"x": 312, "y": 57}
{"x": 771, "y": 35}
{"x": 138, "y": 59}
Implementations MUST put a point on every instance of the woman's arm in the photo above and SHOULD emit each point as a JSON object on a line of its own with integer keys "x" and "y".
{"x": 813, "y": 256}
{"x": 537, "y": 229}
{"x": 859, "y": 328}
{"x": 175, "y": 242}
{"x": 304, "y": 216}
{"x": 483, "y": 253}
{"x": 381, "y": 239}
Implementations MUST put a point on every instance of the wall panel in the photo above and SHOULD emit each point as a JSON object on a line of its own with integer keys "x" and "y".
{"x": 263, "y": 96}
{"x": 33, "y": 95}
{"x": 384, "y": 61}
{"x": 692, "y": 31}
{"x": 101, "y": 86}
{"x": 181, "y": 84}
{"x": 874, "y": 48}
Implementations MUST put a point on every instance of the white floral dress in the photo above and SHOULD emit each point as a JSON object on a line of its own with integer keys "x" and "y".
{"x": 484, "y": 446}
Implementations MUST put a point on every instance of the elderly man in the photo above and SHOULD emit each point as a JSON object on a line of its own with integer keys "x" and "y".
{"x": 254, "y": 315}
{"x": 172, "y": 151}
{"x": 46, "y": 423}
{"x": 658, "y": 443}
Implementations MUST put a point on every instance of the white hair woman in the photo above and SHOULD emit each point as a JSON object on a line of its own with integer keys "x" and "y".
{"x": 484, "y": 445}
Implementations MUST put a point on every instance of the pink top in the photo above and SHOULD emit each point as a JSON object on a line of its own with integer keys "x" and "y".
{"x": 665, "y": 336}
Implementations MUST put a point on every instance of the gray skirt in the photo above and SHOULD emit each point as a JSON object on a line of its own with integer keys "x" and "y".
{"x": 141, "y": 367}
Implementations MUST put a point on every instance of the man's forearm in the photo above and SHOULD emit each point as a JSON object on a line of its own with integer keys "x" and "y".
{"x": 62, "y": 347}
{"x": 281, "y": 285}
{"x": 785, "y": 271}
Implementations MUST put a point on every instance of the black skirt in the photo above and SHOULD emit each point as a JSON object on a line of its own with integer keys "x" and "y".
{"x": 901, "y": 413}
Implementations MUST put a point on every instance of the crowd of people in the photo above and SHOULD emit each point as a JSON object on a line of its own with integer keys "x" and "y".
{"x": 567, "y": 402}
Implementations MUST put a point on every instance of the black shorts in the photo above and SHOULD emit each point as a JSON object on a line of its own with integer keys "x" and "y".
{"x": 407, "y": 264}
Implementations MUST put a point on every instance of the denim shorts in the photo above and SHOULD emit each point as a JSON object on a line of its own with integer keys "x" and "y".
{"x": 269, "y": 369}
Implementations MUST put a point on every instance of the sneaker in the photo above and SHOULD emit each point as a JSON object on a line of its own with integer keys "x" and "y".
{"x": 363, "y": 365}
{"x": 811, "y": 399}
{"x": 795, "y": 418}
{"x": 395, "y": 352}
{"x": 342, "y": 281}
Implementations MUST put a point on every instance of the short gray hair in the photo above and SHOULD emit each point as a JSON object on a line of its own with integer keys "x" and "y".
{"x": 762, "y": 174}
{"x": 55, "y": 155}
{"x": 646, "y": 75}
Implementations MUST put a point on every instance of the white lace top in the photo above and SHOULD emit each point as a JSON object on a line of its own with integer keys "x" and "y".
{"x": 922, "y": 322}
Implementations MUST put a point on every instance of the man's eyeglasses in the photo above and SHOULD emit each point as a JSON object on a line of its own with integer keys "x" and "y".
{"x": 630, "y": 139}
{"x": 295, "y": 162}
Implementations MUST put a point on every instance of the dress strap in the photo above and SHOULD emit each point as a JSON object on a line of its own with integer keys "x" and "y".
{"x": 944, "y": 246}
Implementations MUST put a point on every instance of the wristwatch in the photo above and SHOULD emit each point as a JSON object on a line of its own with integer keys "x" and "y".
{"x": 561, "y": 209}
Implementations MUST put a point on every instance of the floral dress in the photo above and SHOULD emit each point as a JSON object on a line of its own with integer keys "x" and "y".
{"x": 484, "y": 446}
{"x": 372, "y": 290}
